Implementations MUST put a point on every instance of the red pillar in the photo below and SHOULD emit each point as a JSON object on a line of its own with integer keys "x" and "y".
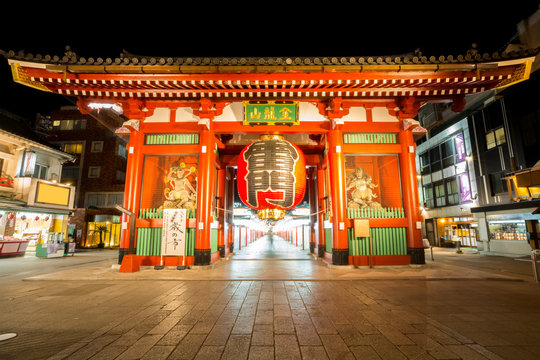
{"x": 128, "y": 190}
{"x": 312, "y": 209}
{"x": 409, "y": 184}
{"x": 336, "y": 162}
{"x": 132, "y": 187}
{"x": 221, "y": 212}
{"x": 230, "y": 206}
{"x": 205, "y": 196}
{"x": 321, "y": 194}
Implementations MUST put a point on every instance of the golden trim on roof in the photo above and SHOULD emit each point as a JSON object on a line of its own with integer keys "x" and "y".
{"x": 20, "y": 76}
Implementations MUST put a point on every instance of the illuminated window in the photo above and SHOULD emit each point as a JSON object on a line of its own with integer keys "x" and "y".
{"x": 428, "y": 196}
{"x": 69, "y": 124}
{"x": 495, "y": 138}
{"x": 72, "y": 148}
{"x": 499, "y": 136}
{"x": 440, "y": 195}
{"x": 452, "y": 191}
{"x": 490, "y": 140}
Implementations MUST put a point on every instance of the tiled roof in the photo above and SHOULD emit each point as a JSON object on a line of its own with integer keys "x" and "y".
{"x": 127, "y": 59}
{"x": 308, "y": 78}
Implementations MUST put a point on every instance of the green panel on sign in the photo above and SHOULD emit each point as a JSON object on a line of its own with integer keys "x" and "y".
{"x": 270, "y": 113}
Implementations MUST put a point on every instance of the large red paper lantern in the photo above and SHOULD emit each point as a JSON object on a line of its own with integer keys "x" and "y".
{"x": 271, "y": 176}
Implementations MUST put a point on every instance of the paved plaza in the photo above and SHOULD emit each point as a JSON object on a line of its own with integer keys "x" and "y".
{"x": 270, "y": 301}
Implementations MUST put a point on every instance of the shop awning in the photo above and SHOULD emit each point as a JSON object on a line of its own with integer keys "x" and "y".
{"x": 19, "y": 206}
{"x": 508, "y": 206}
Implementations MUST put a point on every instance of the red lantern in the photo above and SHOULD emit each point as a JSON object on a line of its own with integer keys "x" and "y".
{"x": 271, "y": 176}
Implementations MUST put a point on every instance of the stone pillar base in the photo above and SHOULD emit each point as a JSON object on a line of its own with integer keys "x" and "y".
{"x": 322, "y": 249}
{"x": 221, "y": 249}
{"x": 340, "y": 256}
{"x": 202, "y": 256}
{"x": 418, "y": 255}
{"x": 121, "y": 253}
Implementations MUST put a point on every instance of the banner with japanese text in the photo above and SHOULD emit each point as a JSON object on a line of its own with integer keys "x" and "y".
{"x": 173, "y": 242}
{"x": 270, "y": 112}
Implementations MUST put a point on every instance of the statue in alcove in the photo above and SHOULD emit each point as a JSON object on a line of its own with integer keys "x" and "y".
{"x": 179, "y": 192}
{"x": 362, "y": 195}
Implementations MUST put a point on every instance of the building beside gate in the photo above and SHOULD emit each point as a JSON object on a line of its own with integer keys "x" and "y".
{"x": 188, "y": 119}
{"x": 480, "y": 169}
{"x": 35, "y": 205}
{"x": 98, "y": 172}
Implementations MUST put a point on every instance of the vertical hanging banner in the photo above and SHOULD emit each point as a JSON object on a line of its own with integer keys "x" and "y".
{"x": 173, "y": 241}
{"x": 460, "y": 148}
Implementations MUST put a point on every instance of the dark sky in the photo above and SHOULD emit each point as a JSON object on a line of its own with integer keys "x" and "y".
{"x": 331, "y": 29}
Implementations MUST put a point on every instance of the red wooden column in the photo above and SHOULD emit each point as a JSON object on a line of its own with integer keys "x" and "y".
{"x": 205, "y": 196}
{"x": 230, "y": 206}
{"x": 321, "y": 194}
{"x": 221, "y": 212}
{"x": 132, "y": 185}
{"x": 312, "y": 209}
{"x": 128, "y": 191}
{"x": 336, "y": 163}
{"x": 409, "y": 184}
{"x": 206, "y": 111}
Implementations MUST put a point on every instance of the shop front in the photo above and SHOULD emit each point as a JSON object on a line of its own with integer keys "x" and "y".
{"x": 38, "y": 225}
{"x": 103, "y": 231}
{"x": 458, "y": 232}
{"x": 39, "y": 232}
{"x": 509, "y": 231}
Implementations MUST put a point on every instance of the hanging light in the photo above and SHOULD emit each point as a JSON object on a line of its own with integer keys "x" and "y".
{"x": 271, "y": 176}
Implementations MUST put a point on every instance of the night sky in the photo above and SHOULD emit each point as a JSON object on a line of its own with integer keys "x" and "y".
{"x": 332, "y": 29}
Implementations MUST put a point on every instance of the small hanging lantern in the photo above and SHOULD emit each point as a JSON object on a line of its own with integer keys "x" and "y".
{"x": 271, "y": 176}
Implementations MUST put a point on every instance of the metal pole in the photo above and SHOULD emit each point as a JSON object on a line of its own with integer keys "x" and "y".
{"x": 459, "y": 247}
{"x": 533, "y": 262}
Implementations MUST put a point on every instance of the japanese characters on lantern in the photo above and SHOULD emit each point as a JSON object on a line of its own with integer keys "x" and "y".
{"x": 271, "y": 176}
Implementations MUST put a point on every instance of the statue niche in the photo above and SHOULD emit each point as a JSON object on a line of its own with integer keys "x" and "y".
{"x": 361, "y": 196}
{"x": 179, "y": 192}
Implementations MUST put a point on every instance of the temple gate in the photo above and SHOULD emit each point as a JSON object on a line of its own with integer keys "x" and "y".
{"x": 187, "y": 121}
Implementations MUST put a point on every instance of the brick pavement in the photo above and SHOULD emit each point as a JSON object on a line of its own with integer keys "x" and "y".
{"x": 381, "y": 319}
{"x": 447, "y": 309}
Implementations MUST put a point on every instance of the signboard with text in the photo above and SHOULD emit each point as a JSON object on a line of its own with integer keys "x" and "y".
{"x": 173, "y": 240}
{"x": 460, "y": 148}
{"x": 270, "y": 113}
